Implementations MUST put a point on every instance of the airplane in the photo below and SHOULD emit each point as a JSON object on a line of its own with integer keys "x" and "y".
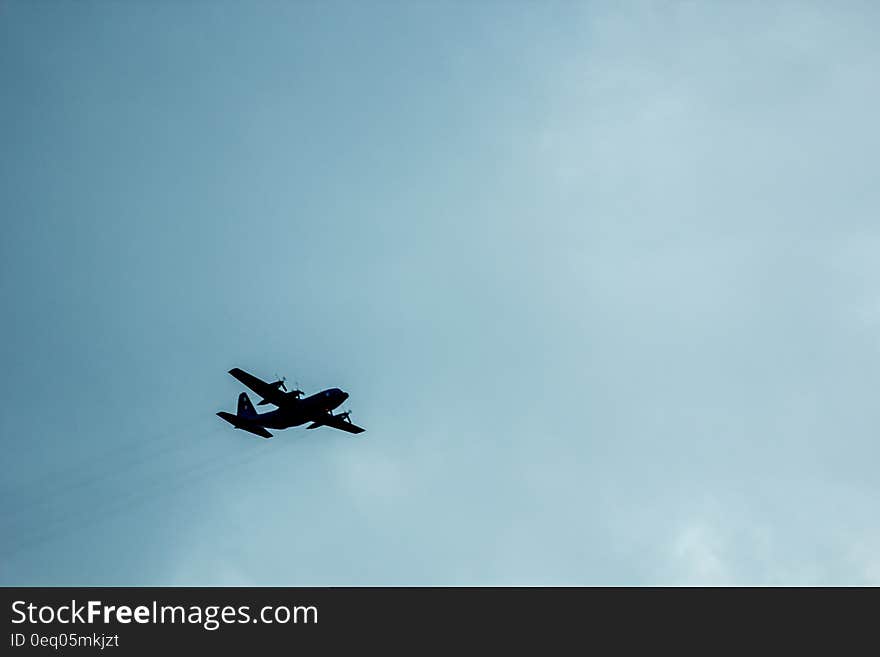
{"x": 292, "y": 410}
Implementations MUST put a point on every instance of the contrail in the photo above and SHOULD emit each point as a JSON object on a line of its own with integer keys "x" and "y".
{"x": 67, "y": 481}
{"x": 116, "y": 447}
{"x": 72, "y": 523}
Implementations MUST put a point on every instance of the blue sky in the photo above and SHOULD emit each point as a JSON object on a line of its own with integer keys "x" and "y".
{"x": 600, "y": 280}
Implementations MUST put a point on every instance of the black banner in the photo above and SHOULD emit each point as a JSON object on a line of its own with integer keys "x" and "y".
{"x": 152, "y": 620}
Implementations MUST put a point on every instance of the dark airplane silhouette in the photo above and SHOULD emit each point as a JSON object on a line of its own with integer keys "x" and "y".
{"x": 292, "y": 411}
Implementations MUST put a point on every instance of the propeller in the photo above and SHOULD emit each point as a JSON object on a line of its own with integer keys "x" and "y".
{"x": 345, "y": 416}
{"x": 297, "y": 392}
{"x": 279, "y": 383}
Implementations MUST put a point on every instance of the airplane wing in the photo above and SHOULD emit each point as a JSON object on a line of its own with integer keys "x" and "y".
{"x": 337, "y": 423}
{"x": 242, "y": 423}
{"x": 268, "y": 392}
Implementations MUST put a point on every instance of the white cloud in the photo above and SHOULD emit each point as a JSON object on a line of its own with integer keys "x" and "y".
{"x": 698, "y": 553}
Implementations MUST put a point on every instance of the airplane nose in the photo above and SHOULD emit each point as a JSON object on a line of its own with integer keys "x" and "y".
{"x": 344, "y": 395}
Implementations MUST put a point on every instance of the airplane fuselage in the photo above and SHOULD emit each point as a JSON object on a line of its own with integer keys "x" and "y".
{"x": 299, "y": 411}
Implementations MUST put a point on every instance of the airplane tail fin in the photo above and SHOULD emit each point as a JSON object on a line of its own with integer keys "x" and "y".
{"x": 245, "y": 408}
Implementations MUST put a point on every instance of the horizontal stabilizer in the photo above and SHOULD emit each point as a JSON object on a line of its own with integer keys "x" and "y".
{"x": 243, "y": 423}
